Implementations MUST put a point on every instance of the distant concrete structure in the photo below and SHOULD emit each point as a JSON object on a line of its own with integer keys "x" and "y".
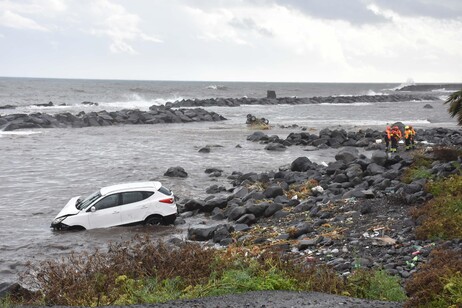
{"x": 270, "y": 94}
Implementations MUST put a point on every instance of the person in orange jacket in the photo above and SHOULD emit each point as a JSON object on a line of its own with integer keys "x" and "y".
{"x": 412, "y": 137}
{"x": 395, "y": 136}
{"x": 407, "y": 137}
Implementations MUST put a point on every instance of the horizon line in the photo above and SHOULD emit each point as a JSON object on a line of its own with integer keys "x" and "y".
{"x": 232, "y": 81}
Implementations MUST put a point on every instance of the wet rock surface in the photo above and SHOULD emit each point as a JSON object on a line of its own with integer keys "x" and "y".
{"x": 367, "y": 138}
{"x": 272, "y": 100}
{"x": 155, "y": 115}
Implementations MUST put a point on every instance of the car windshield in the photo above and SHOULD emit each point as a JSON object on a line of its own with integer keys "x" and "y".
{"x": 88, "y": 200}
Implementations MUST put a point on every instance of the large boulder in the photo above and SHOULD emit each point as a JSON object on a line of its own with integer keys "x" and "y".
{"x": 275, "y": 147}
{"x": 193, "y": 205}
{"x": 236, "y": 213}
{"x": 257, "y": 136}
{"x": 354, "y": 173}
{"x": 301, "y": 164}
{"x": 176, "y": 172}
{"x": 379, "y": 157}
{"x": 217, "y": 201}
{"x": 201, "y": 233}
{"x": 273, "y": 192}
{"x": 347, "y": 155}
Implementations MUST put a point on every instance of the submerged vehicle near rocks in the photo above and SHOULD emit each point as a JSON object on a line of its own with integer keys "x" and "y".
{"x": 123, "y": 204}
{"x": 259, "y": 123}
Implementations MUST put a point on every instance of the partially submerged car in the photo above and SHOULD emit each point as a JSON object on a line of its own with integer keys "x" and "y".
{"x": 123, "y": 204}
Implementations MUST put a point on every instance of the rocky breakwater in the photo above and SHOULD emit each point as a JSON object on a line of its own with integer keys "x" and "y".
{"x": 235, "y": 102}
{"x": 432, "y": 87}
{"x": 351, "y": 213}
{"x": 155, "y": 115}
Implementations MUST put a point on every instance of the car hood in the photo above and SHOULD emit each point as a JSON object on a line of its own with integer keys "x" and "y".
{"x": 69, "y": 208}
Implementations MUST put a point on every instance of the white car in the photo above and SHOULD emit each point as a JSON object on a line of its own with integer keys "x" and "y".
{"x": 123, "y": 204}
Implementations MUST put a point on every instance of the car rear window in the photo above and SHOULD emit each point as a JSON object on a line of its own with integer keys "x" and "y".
{"x": 165, "y": 191}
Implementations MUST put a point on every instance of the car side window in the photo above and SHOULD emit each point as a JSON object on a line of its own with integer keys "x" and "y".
{"x": 108, "y": 202}
{"x": 135, "y": 196}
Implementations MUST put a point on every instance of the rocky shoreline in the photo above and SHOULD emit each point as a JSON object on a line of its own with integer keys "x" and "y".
{"x": 351, "y": 213}
{"x": 155, "y": 115}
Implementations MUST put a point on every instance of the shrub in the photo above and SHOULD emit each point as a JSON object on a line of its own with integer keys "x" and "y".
{"x": 89, "y": 279}
{"x": 411, "y": 174}
{"x": 446, "y": 154}
{"x": 419, "y": 169}
{"x": 235, "y": 281}
{"x": 438, "y": 283}
{"x": 440, "y": 217}
{"x": 375, "y": 285}
{"x": 144, "y": 272}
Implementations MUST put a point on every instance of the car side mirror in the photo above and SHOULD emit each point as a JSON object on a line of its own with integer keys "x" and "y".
{"x": 93, "y": 209}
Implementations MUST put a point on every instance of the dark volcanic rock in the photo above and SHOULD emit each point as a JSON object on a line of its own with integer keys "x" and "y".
{"x": 155, "y": 115}
{"x": 301, "y": 164}
{"x": 201, "y": 233}
{"x": 270, "y": 94}
{"x": 176, "y": 172}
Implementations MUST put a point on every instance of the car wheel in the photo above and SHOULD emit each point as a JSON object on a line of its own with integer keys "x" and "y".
{"x": 154, "y": 220}
{"x": 169, "y": 220}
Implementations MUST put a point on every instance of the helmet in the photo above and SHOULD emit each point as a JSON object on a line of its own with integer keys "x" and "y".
{"x": 395, "y": 127}
{"x": 388, "y": 127}
{"x": 406, "y": 127}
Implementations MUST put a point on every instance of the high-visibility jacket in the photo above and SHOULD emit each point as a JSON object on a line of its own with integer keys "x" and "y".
{"x": 407, "y": 133}
{"x": 388, "y": 133}
{"x": 396, "y": 133}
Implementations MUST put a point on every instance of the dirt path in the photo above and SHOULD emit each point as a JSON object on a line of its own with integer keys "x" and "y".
{"x": 266, "y": 299}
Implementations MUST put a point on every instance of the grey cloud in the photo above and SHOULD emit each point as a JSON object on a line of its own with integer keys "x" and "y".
{"x": 250, "y": 25}
{"x": 447, "y": 9}
{"x": 353, "y": 11}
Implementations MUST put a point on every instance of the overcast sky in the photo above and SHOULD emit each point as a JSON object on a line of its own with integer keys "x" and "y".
{"x": 233, "y": 40}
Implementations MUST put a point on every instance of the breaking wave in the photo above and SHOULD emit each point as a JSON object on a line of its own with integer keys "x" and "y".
{"x": 409, "y": 82}
{"x": 216, "y": 87}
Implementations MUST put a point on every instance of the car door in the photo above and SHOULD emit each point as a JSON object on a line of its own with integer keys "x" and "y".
{"x": 106, "y": 214}
{"x": 134, "y": 206}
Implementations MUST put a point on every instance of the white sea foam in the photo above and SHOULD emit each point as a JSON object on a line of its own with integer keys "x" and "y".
{"x": 443, "y": 97}
{"x": 409, "y": 82}
{"x": 19, "y": 133}
{"x": 346, "y": 104}
{"x": 371, "y": 122}
{"x": 216, "y": 87}
{"x": 138, "y": 102}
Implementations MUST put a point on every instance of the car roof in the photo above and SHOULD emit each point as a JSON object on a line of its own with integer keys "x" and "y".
{"x": 148, "y": 185}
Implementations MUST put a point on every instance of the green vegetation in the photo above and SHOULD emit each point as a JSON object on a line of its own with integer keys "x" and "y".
{"x": 420, "y": 168}
{"x": 375, "y": 285}
{"x": 6, "y": 302}
{"x": 455, "y": 105}
{"x": 441, "y": 217}
{"x": 438, "y": 283}
{"x": 144, "y": 272}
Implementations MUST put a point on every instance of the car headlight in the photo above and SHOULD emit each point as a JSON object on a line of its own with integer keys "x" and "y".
{"x": 58, "y": 220}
